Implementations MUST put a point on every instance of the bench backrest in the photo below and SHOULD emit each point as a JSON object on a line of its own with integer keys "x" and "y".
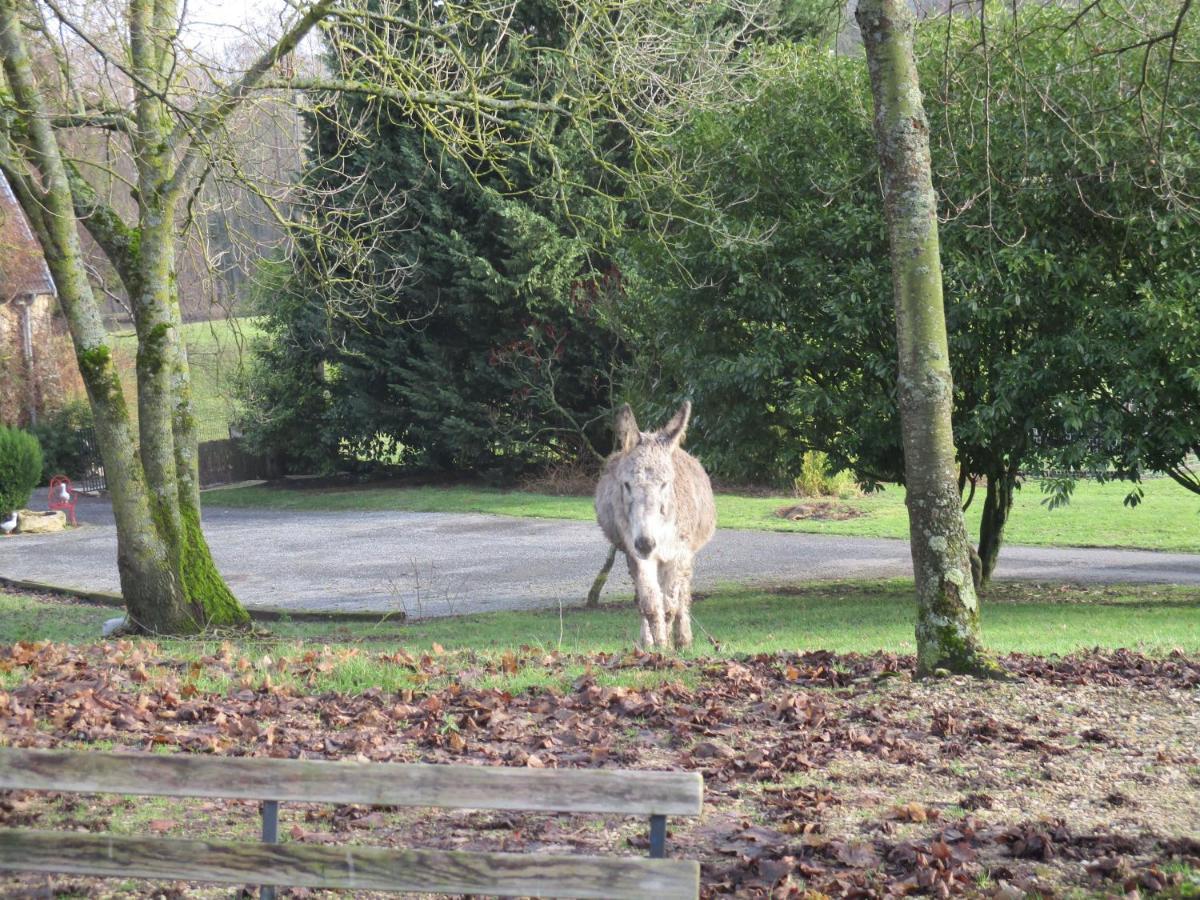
{"x": 631, "y": 793}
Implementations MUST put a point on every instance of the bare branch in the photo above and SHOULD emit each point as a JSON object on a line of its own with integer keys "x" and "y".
{"x": 456, "y": 100}
{"x": 211, "y": 115}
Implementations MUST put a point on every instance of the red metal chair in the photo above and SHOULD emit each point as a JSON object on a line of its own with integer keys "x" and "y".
{"x": 62, "y": 497}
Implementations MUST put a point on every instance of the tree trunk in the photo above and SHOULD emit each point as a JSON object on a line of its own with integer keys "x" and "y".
{"x": 169, "y": 449}
{"x": 168, "y": 579}
{"x": 165, "y": 418}
{"x": 997, "y": 504}
{"x": 593, "y": 597}
{"x": 948, "y": 633}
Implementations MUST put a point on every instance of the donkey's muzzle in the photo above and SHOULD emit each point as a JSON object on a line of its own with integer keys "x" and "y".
{"x": 644, "y": 546}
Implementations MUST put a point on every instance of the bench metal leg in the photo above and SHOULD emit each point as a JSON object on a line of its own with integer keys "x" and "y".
{"x": 270, "y": 835}
{"x": 658, "y": 837}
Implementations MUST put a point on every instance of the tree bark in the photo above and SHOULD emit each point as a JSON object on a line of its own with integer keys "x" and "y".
{"x": 997, "y": 504}
{"x": 948, "y": 631}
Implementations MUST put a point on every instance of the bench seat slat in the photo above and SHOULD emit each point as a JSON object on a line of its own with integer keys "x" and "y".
{"x": 347, "y": 867}
{"x": 382, "y": 784}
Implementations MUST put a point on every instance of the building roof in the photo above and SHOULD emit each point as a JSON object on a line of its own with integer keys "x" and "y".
{"x": 23, "y": 267}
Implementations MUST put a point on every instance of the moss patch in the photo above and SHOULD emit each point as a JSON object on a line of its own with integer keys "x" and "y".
{"x": 202, "y": 583}
{"x": 99, "y": 373}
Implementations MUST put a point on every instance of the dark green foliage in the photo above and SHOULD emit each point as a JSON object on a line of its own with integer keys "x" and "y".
{"x": 815, "y": 21}
{"x": 783, "y": 339}
{"x": 20, "y": 468}
{"x": 290, "y": 411}
{"x": 479, "y": 340}
{"x": 1070, "y": 285}
{"x": 64, "y": 435}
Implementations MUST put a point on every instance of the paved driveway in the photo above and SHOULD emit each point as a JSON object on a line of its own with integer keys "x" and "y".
{"x": 433, "y": 564}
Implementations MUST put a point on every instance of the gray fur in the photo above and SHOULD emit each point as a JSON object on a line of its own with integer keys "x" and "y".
{"x": 654, "y": 503}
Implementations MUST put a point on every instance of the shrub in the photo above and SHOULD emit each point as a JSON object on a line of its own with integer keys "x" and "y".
{"x": 815, "y": 479}
{"x": 20, "y": 467}
{"x": 64, "y": 434}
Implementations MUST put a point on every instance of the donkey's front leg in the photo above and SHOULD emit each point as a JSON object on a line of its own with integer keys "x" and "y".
{"x": 667, "y": 580}
{"x": 650, "y": 602}
{"x": 683, "y": 621}
{"x": 677, "y": 588}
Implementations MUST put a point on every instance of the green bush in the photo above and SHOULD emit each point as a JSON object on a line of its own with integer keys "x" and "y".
{"x": 62, "y": 434}
{"x": 20, "y": 467}
{"x": 816, "y": 479}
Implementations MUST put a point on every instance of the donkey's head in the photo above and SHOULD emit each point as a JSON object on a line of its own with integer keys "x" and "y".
{"x": 646, "y": 473}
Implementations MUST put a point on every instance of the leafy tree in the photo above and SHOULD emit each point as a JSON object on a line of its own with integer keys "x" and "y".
{"x": 1070, "y": 282}
{"x": 284, "y": 390}
{"x": 1087, "y": 247}
{"x": 785, "y": 341}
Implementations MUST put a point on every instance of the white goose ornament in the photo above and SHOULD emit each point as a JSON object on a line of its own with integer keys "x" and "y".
{"x": 9, "y": 524}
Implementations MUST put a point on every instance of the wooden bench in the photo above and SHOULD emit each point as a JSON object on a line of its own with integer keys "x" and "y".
{"x": 275, "y": 781}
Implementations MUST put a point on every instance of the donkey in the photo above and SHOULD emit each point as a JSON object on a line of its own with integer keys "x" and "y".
{"x": 654, "y": 502}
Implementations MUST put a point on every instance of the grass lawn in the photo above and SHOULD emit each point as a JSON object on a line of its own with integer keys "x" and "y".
{"x": 1167, "y": 519}
{"x": 850, "y": 617}
{"x": 215, "y": 354}
{"x": 838, "y": 770}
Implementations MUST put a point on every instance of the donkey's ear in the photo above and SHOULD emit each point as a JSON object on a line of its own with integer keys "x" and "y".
{"x": 675, "y": 429}
{"x": 625, "y": 430}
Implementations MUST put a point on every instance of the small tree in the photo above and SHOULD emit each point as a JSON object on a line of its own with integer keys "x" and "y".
{"x": 948, "y": 633}
{"x": 20, "y": 468}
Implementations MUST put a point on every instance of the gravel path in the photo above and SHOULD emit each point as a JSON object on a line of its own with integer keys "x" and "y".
{"x": 433, "y": 564}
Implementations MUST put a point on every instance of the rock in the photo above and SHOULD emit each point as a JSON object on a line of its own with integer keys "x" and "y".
{"x": 112, "y": 626}
{"x": 31, "y": 522}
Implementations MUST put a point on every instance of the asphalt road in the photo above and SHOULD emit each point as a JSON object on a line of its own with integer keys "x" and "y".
{"x": 434, "y": 564}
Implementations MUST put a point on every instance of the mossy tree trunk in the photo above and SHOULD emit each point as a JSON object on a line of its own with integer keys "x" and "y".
{"x": 168, "y": 578}
{"x": 148, "y": 580}
{"x": 948, "y": 632}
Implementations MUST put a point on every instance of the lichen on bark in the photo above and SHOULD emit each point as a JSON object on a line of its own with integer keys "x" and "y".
{"x": 99, "y": 373}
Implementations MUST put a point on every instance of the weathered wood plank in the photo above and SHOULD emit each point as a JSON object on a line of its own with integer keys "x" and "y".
{"x": 349, "y": 868}
{"x": 385, "y": 784}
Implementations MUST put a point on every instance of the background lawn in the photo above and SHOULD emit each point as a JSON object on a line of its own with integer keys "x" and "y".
{"x": 215, "y": 354}
{"x": 849, "y": 617}
{"x": 1167, "y": 519}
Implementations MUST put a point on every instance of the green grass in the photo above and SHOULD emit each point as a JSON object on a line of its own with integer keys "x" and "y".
{"x": 215, "y": 355}
{"x": 29, "y": 619}
{"x": 1167, "y": 519}
{"x": 858, "y": 617}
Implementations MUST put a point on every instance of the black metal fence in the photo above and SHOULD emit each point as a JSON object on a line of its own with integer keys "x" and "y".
{"x": 221, "y": 462}
{"x": 90, "y": 476}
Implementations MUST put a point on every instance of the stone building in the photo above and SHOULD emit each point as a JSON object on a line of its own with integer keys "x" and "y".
{"x": 30, "y": 353}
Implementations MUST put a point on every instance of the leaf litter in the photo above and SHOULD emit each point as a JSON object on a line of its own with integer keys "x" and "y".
{"x": 826, "y": 775}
